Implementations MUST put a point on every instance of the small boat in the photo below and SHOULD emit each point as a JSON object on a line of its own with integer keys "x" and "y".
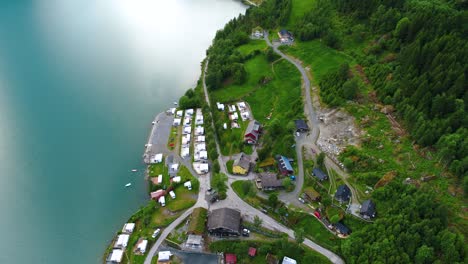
{"x": 134, "y": 170}
{"x": 128, "y": 185}
{"x": 175, "y": 103}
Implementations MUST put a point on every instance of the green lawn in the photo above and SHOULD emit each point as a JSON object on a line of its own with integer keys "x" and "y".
{"x": 256, "y": 68}
{"x": 253, "y": 45}
{"x": 318, "y": 233}
{"x": 318, "y": 56}
{"x": 299, "y": 9}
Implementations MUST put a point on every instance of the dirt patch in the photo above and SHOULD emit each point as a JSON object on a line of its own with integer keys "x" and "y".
{"x": 337, "y": 130}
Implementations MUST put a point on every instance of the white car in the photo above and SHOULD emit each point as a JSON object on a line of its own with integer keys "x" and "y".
{"x": 301, "y": 200}
{"x": 155, "y": 233}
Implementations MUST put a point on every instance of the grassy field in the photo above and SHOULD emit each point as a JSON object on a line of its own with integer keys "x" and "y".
{"x": 318, "y": 56}
{"x": 314, "y": 230}
{"x": 253, "y": 45}
{"x": 299, "y": 8}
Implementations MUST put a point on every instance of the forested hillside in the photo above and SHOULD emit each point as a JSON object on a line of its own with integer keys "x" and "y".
{"x": 414, "y": 55}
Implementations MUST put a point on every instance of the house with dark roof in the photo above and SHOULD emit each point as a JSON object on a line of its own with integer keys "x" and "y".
{"x": 368, "y": 209}
{"x": 301, "y": 126}
{"x": 343, "y": 193}
{"x": 284, "y": 165}
{"x": 321, "y": 176}
{"x": 252, "y": 133}
{"x": 285, "y": 36}
{"x": 224, "y": 222}
{"x": 342, "y": 229}
{"x": 241, "y": 165}
{"x": 269, "y": 181}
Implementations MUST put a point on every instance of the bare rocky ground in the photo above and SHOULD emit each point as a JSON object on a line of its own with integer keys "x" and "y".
{"x": 337, "y": 130}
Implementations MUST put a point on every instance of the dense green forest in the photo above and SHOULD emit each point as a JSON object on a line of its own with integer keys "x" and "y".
{"x": 415, "y": 55}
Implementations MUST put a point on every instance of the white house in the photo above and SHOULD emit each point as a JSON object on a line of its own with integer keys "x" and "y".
{"x": 174, "y": 167}
{"x": 201, "y": 139}
{"x": 171, "y": 110}
{"x": 245, "y": 116}
{"x": 232, "y": 108}
{"x": 176, "y": 122}
{"x": 187, "y": 121}
{"x": 188, "y": 184}
{"x": 162, "y": 201}
{"x": 128, "y": 228}
{"x": 142, "y": 246}
{"x": 220, "y": 106}
{"x": 122, "y": 241}
{"x": 172, "y": 194}
{"x": 116, "y": 256}
{"x": 164, "y": 256}
{"x": 180, "y": 113}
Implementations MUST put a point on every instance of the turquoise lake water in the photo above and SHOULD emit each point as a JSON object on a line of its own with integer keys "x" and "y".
{"x": 80, "y": 82}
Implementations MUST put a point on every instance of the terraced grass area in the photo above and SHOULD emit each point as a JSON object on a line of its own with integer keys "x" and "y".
{"x": 253, "y": 45}
{"x": 320, "y": 57}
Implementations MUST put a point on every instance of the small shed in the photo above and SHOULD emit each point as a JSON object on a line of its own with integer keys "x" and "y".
{"x": 231, "y": 258}
{"x": 252, "y": 251}
{"x": 141, "y": 247}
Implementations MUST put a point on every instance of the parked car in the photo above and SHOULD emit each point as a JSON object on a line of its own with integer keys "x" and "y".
{"x": 245, "y": 232}
{"x": 155, "y": 233}
{"x": 264, "y": 211}
{"x": 301, "y": 200}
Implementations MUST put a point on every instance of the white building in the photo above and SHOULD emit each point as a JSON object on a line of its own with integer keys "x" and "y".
{"x": 122, "y": 241}
{"x": 180, "y": 113}
{"x": 160, "y": 178}
{"x": 187, "y": 130}
{"x": 115, "y": 256}
{"x": 142, "y": 246}
{"x": 185, "y": 152}
{"x": 232, "y": 108}
{"x": 164, "y": 255}
{"x": 225, "y": 126}
{"x": 200, "y": 147}
{"x": 287, "y": 260}
{"x": 199, "y": 130}
{"x": 203, "y": 155}
{"x": 188, "y": 184}
{"x": 162, "y": 201}
{"x": 201, "y": 139}
{"x": 176, "y": 122}
{"x": 176, "y": 179}
{"x": 157, "y": 158}
{"x": 172, "y": 194}
{"x": 189, "y": 112}
{"x": 186, "y": 139}
{"x": 220, "y": 106}
{"x": 128, "y": 228}
{"x": 187, "y": 121}
{"x": 241, "y": 105}
{"x": 234, "y": 116}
